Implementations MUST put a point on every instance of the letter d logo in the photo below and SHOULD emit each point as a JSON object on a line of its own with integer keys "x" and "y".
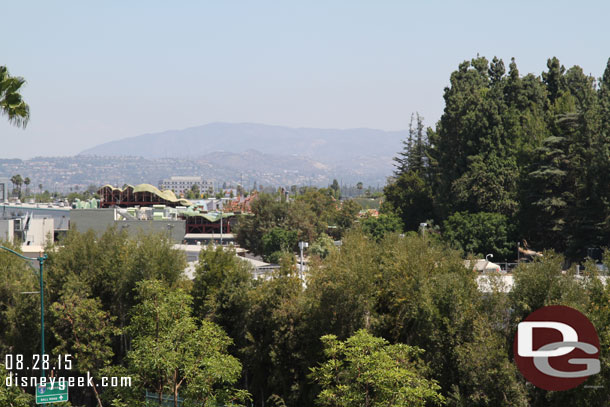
{"x": 525, "y": 338}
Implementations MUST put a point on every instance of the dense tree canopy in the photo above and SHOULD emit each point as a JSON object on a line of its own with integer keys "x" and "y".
{"x": 277, "y": 224}
{"x": 534, "y": 149}
{"x": 227, "y": 336}
{"x": 367, "y": 371}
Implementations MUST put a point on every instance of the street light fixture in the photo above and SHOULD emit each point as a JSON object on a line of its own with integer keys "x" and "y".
{"x": 302, "y": 245}
{"x": 41, "y": 259}
{"x": 423, "y": 227}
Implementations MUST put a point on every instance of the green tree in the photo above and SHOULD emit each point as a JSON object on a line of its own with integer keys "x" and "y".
{"x": 367, "y": 371}
{"x": 27, "y": 182}
{"x": 279, "y": 240}
{"x": 17, "y": 181}
{"x": 345, "y": 216}
{"x": 480, "y": 234}
{"x": 460, "y": 129}
{"x": 109, "y": 266}
{"x": 542, "y": 283}
{"x": 220, "y": 290}
{"x": 564, "y": 200}
{"x": 194, "y": 192}
{"x": 309, "y": 215}
{"x": 410, "y": 198}
{"x": 488, "y": 185}
{"x": 491, "y": 124}
{"x": 553, "y": 79}
{"x": 322, "y": 247}
{"x": 171, "y": 352}
{"x": 603, "y": 148}
{"x": 604, "y": 99}
{"x": 11, "y": 101}
{"x": 379, "y": 226}
{"x": 267, "y": 213}
{"x": 19, "y": 326}
{"x": 413, "y": 154}
{"x": 341, "y": 292}
{"x": 546, "y": 196}
{"x": 85, "y": 331}
{"x": 336, "y": 189}
{"x": 13, "y": 396}
{"x": 278, "y": 342}
{"x": 427, "y": 298}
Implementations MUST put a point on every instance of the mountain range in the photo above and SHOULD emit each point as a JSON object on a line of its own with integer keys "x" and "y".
{"x": 319, "y": 144}
{"x": 277, "y": 152}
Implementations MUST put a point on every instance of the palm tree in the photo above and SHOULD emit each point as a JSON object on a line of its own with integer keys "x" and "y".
{"x": 11, "y": 102}
{"x": 17, "y": 181}
{"x": 27, "y": 182}
{"x": 359, "y": 186}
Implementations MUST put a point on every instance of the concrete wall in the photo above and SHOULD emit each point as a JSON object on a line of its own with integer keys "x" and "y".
{"x": 5, "y": 186}
{"x": 101, "y": 219}
{"x": 7, "y": 228}
{"x": 60, "y": 216}
{"x": 97, "y": 219}
{"x": 39, "y": 233}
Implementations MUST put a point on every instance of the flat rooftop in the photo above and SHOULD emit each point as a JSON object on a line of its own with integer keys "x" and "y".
{"x": 32, "y": 206}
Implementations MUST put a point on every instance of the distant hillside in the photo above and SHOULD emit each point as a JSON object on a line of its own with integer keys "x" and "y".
{"x": 273, "y": 155}
{"x": 328, "y": 146}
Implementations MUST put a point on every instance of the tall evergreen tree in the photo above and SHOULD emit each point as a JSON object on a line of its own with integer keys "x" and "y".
{"x": 402, "y": 159}
{"x": 553, "y": 78}
{"x": 545, "y": 197}
{"x": 602, "y": 149}
{"x": 604, "y": 98}
{"x": 413, "y": 154}
{"x": 417, "y": 157}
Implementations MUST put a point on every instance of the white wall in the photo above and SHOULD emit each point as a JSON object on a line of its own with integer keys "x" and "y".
{"x": 7, "y": 228}
{"x": 39, "y": 233}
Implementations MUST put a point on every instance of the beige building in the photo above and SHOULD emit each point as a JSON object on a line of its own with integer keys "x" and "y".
{"x": 180, "y": 185}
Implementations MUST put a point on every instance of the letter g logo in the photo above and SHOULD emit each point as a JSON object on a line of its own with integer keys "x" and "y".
{"x": 552, "y": 346}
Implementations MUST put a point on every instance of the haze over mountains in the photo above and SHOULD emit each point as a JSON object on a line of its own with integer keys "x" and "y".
{"x": 319, "y": 144}
{"x": 273, "y": 151}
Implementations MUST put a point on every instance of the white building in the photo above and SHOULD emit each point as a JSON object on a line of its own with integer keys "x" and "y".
{"x": 35, "y": 232}
{"x": 180, "y": 185}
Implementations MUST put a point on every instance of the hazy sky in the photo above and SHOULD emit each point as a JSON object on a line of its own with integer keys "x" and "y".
{"x": 100, "y": 71}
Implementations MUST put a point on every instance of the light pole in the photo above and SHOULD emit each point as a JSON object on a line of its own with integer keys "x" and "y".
{"x": 41, "y": 260}
{"x": 302, "y": 245}
{"x": 221, "y": 228}
{"x": 423, "y": 227}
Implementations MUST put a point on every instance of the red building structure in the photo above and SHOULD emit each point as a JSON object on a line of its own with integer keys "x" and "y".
{"x": 140, "y": 195}
{"x": 197, "y": 222}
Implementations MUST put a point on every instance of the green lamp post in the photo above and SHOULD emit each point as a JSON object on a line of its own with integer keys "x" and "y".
{"x": 40, "y": 260}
